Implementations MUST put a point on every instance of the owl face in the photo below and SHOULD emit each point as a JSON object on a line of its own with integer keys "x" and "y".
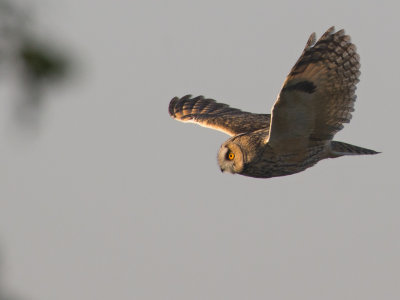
{"x": 231, "y": 158}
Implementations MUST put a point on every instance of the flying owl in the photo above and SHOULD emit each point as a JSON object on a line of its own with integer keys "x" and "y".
{"x": 317, "y": 97}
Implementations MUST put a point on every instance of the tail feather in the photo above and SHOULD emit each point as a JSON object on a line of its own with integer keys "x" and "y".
{"x": 340, "y": 149}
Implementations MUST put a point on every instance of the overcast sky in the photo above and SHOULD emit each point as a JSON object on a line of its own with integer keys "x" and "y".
{"x": 115, "y": 200}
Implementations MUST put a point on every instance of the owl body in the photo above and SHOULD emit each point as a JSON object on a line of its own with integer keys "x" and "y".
{"x": 254, "y": 158}
{"x": 317, "y": 97}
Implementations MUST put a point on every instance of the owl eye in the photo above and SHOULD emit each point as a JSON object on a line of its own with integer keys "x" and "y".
{"x": 230, "y": 155}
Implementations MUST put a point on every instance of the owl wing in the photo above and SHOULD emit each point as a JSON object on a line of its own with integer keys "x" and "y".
{"x": 318, "y": 95}
{"x": 218, "y": 116}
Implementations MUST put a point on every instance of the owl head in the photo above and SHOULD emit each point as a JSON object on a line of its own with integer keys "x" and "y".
{"x": 231, "y": 157}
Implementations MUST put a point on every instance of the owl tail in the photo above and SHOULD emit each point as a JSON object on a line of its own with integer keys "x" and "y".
{"x": 340, "y": 149}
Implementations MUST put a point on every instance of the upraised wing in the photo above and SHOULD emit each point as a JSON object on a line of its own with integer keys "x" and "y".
{"x": 318, "y": 95}
{"x": 218, "y": 116}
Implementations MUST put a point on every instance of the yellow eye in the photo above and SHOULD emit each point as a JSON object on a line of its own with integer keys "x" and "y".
{"x": 231, "y": 156}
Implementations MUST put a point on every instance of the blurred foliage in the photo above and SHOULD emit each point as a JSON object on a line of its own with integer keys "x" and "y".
{"x": 40, "y": 62}
{"x": 37, "y": 61}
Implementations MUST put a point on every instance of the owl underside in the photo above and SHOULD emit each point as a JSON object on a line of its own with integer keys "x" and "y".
{"x": 269, "y": 164}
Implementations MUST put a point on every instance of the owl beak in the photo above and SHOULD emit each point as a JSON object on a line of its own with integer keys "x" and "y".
{"x": 222, "y": 170}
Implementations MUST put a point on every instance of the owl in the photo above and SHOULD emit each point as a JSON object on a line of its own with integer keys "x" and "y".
{"x": 316, "y": 98}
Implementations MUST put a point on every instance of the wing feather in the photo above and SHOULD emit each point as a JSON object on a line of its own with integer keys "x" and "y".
{"x": 218, "y": 116}
{"x": 318, "y": 95}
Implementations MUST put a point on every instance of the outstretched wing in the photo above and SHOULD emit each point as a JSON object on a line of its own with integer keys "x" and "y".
{"x": 318, "y": 95}
{"x": 218, "y": 116}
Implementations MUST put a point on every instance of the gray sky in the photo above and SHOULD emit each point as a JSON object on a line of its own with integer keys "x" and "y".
{"x": 115, "y": 200}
